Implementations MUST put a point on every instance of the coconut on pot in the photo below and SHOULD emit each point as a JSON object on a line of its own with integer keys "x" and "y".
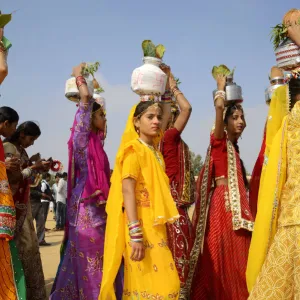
{"x": 149, "y": 79}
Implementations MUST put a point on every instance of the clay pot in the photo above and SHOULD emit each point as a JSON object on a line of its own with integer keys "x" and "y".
{"x": 149, "y": 79}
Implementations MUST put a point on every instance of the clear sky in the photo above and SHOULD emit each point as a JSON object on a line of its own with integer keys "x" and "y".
{"x": 49, "y": 37}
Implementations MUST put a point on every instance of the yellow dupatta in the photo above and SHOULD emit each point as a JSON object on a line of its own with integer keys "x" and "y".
{"x": 162, "y": 209}
{"x": 271, "y": 184}
{"x": 279, "y": 108}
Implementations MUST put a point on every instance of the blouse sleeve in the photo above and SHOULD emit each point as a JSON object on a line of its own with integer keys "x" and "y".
{"x": 83, "y": 124}
{"x": 131, "y": 167}
{"x": 218, "y": 143}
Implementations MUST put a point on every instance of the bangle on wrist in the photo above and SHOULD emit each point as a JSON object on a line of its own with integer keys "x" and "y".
{"x": 166, "y": 97}
{"x": 135, "y": 232}
{"x": 177, "y": 92}
{"x": 80, "y": 80}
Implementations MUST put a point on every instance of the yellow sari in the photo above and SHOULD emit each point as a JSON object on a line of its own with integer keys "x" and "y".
{"x": 155, "y": 276}
{"x": 271, "y": 184}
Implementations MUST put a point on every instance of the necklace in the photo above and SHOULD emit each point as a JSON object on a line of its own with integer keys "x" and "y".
{"x": 153, "y": 150}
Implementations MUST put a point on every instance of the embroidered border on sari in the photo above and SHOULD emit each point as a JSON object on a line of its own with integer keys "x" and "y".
{"x": 7, "y": 208}
{"x": 238, "y": 221}
{"x": 186, "y": 188}
{"x": 276, "y": 198}
{"x": 7, "y": 221}
{"x": 201, "y": 224}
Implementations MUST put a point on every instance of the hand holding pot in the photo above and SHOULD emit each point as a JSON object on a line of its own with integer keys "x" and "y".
{"x": 294, "y": 34}
{"x": 77, "y": 71}
{"x": 167, "y": 70}
{"x": 172, "y": 82}
{"x": 221, "y": 82}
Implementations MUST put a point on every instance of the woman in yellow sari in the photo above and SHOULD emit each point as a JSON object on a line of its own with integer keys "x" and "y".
{"x": 276, "y": 242}
{"x": 138, "y": 206}
{"x": 272, "y": 271}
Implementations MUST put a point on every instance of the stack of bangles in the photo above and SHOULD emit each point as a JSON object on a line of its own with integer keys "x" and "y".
{"x": 220, "y": 95}
{"x": 80, "y": 80}
{"x": 176, "y": 91}
{"x": 166, "y": 97}
{"x": 135, "y": 232}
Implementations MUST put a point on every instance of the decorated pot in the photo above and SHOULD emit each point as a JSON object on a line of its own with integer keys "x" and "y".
{"x": 275, "y": 83}
{"x": 233, "y": 92}
{"x": 287, "y": 55}
{"x": 71, "y": 90}
{"x": 149, "y": 79}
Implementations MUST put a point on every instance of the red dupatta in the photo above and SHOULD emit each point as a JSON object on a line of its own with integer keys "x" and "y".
{"x": 255, "y": 178}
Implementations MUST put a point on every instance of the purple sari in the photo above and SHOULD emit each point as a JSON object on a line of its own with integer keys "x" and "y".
{"x": 79, "y": 275}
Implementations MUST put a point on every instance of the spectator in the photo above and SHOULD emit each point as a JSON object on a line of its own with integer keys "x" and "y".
{"x": 45, "y": 188}
{"x": 38, "y": 210}
{"x": 61, "y": 202}
{"x": 54, "y": 193}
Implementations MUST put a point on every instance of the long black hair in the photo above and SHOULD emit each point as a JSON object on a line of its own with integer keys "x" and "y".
{"x": 8, "y": 114}
{"x": 96, "y": 106}
{"x": 294, "y": 88}
{"x": 229, "y": 112}
{"x": 29, "y": 128}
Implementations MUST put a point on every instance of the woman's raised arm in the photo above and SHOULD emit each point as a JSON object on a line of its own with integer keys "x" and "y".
{"x": 81, "y": 83}
{"x": 219, "y": 107}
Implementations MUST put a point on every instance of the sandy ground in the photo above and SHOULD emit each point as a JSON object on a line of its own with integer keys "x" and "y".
{"x": 50, "y": 254}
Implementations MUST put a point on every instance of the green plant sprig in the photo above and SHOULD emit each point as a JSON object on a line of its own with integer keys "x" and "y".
{"x": 178, "y": 82}
{"x": 278, "y": 34}
{"x": 99, "y": 90}
{"x": 151, "y": 50}
{"x": 90, "y": 69}
{"x": 221, "y": 70}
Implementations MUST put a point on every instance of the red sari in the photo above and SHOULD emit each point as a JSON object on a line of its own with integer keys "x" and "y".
{"x": 222, "y": 222}
{"x": 178, "y": 168}
{"x": 255, "y": 178}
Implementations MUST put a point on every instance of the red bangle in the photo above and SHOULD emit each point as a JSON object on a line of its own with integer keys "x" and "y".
{"x": 80, "y": 80}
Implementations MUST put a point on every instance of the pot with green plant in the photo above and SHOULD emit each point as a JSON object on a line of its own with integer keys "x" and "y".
{"x": 88, "y": 72}
{"x": 233, "y": 92}
{"x": 286, "y": 51}
{"x": 4, "y": 20}
{"x": 149, "y": 79}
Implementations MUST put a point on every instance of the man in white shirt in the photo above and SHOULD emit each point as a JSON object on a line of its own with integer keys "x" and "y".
{"x": 54, "y": 193}
{"x": 61, "y": 202}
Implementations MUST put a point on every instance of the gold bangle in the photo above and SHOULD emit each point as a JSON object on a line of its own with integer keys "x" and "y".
{"x": 176, "y": 93}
